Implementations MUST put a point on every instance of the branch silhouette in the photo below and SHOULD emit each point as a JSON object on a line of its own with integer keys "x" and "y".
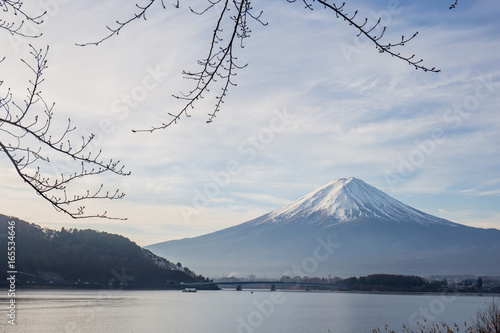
{"x": 33, "y": 143}
{"x": 15, "y": 27}
{"x": 29, "y": 124}
{"x": 369, "y": 30}
{"x": 454, "y": 4}
{"x": 120, "y": 25}
{"x": 218, "y": 68}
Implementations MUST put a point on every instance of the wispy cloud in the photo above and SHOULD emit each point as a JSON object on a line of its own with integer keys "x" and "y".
{"x": 358, "y": 116}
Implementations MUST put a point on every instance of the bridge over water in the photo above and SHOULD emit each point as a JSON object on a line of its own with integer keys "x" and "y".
{"x": 273, "y": 284}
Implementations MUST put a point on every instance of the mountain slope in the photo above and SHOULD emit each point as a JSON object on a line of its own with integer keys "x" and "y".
{"x": 346, "y": 227}
{"x": 86, "y": 258}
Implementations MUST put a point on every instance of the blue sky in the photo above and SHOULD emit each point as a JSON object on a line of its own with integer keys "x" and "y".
{"x": 314, "y": 104}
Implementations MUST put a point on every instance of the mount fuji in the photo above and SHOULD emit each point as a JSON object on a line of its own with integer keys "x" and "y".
{"x": 344, "y": 228}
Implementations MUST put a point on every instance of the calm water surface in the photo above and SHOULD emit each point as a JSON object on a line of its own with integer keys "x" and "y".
{"x": 228, "y": 311}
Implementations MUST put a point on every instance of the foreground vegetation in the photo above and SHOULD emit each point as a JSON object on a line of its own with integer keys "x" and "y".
{"x": 487, "y": 321}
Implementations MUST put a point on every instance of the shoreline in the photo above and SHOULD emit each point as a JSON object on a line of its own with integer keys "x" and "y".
{"x": 419, "y": 293}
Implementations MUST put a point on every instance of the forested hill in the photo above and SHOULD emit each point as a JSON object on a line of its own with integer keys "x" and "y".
{"x": 85, "y": 258}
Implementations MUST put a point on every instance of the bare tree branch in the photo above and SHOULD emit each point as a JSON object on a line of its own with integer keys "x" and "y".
{"x": 220, "y": 62}
{"x": 15, "y": 27}
{"x": 31, "y": 123}
{"x": 219, "y": 67}
{"x": 30, "y": 142}
{"x": 369, "y": 30}
{"x": 141, "y": 13}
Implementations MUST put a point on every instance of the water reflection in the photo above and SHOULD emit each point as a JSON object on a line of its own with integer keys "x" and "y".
{"x": 224, "y": 311}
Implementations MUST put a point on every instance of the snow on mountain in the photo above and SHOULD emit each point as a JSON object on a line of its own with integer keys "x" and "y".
{"x": 345, "y": 200}
{"x": 365, "y": 231}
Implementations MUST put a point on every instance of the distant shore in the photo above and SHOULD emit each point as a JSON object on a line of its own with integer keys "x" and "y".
{"x": 48, "y": 288}
{"x": 418, "y": 293}
{"x": 179, "y": 287}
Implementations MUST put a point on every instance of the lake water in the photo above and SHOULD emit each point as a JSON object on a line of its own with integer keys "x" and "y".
{"x": 228, "y": 311}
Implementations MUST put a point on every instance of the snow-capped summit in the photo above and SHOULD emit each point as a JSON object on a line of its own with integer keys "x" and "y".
{"x": 345, "y": 200}
{"x": 344, "y": 228}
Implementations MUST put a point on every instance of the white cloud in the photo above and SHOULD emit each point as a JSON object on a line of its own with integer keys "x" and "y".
{"x": 352, "y": 118}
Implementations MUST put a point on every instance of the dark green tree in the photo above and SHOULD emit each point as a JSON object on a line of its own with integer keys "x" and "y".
{"x": 479, "y": 283}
